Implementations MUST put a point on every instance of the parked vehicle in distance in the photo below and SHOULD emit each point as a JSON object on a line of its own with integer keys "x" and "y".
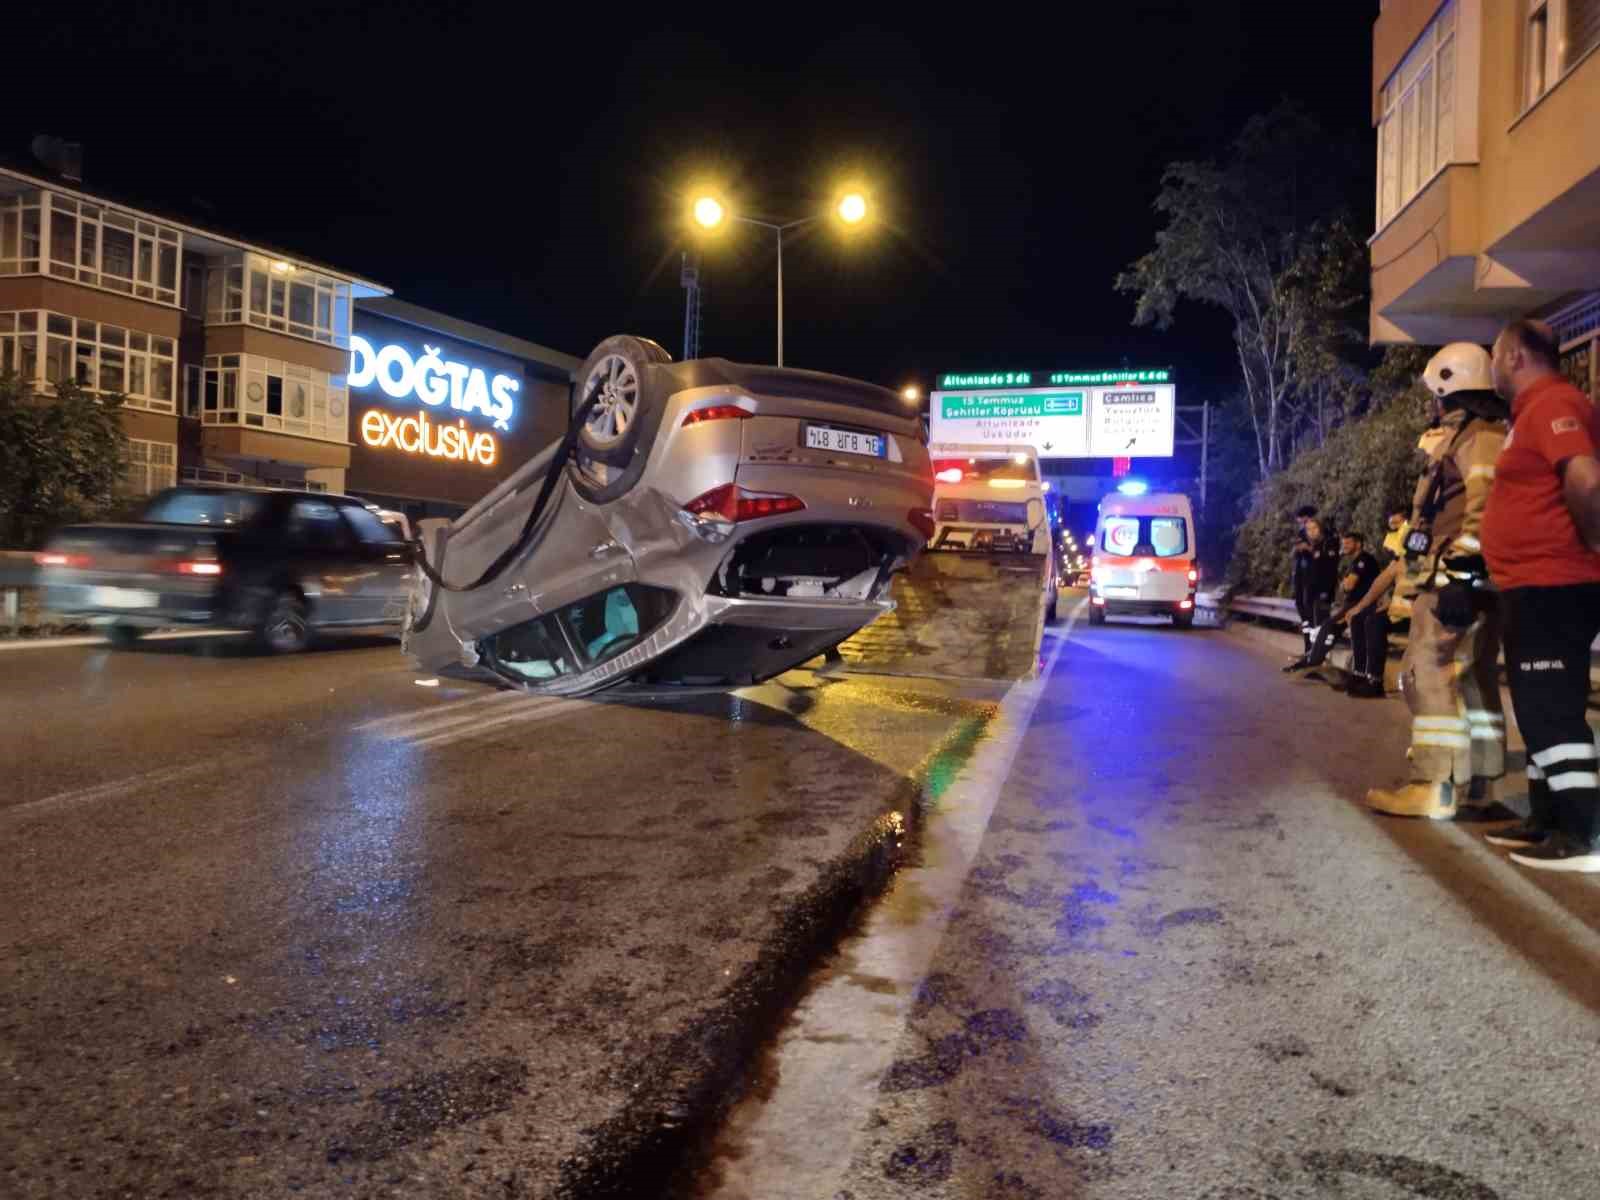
{"x": 990, "y": 499}
{"x": 1144, "y": 557}
{"x": 713, "y": 525}
{"x": 280, "y": 564}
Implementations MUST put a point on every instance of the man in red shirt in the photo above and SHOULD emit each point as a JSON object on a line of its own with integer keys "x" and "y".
{"x": 1541, "y": 536}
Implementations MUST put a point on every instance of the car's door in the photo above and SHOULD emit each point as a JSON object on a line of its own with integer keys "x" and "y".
{"x": 379, "y": 595}
{"x": 323, "y": 548}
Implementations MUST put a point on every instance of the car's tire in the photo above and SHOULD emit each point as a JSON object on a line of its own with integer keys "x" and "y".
{"x": 1182, "y": 620}
{"x": 285, "y": 626}
{"x": 1097, "y": 615}
{"x": 122, "y": 636}
{"x": 616, "y": 373}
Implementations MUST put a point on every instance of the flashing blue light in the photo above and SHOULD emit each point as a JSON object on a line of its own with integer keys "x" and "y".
{"x": 1133, "y": 487}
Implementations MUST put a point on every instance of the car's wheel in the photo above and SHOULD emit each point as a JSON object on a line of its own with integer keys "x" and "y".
{"x": 1097, "y": 615}
{"x": 615, "y": 378}
{"x": 286, "y": 628}
{"x": 122, "y": 636}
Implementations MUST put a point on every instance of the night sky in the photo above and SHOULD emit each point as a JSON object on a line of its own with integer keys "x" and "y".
{"x": 530, "y": 175}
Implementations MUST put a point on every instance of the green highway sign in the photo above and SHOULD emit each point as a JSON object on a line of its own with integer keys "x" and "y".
{"x": 1004, "y": 379}
{"x": 995, "y": 379}
{"x": 990, "y": 405}
{"x": 1124, "y": 376}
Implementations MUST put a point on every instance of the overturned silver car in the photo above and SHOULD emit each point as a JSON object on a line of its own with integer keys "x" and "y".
{"x": 704, "y": 523}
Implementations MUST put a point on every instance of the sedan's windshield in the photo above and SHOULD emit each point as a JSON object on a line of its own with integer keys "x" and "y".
{"x": 180, "y": 507}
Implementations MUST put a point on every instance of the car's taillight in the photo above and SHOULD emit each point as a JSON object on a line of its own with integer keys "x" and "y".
{"x": 1098, "y": 599}
{"x": 733, "y": 503}
{"x": 717, "y": 412}
{"x": 1185, "y": 603}
{"x": 1194, "y": 575}
{"x": 192, "y": 567}
{"x": 55, "y": 559}
{"x": 922, "y": 521}
{"x": 949, "y": 475}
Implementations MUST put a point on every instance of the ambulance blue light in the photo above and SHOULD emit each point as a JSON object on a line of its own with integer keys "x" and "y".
{"x": 1133, "y": 487}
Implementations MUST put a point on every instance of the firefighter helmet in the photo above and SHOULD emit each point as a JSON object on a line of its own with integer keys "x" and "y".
{"x": 1459, "y": 367}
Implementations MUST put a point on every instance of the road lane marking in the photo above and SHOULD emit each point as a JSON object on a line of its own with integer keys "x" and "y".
{"x": 836, "y": 1048}
{"x": 422, "y": 716}
{"x": 545, "y": 709}
{"x": 101, "y": 791}
{"x": 57, "y": 643}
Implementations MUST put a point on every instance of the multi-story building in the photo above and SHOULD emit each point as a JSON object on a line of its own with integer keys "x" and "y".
{"x": 236, "y": 363}
{"x": 1487, "y": 115}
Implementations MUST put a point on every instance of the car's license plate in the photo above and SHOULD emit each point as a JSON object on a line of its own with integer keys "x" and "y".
{"x": 1120, "y": 593}
{"x": 824, "y": 437}
{"x": 118, "y": 597}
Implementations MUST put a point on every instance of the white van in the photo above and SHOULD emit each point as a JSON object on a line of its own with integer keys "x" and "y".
{"x": 1144, "y": 557}
{"x": 991, "y": 499}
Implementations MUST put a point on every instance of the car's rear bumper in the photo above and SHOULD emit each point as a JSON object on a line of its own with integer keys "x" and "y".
{"x": 131, "y": 603}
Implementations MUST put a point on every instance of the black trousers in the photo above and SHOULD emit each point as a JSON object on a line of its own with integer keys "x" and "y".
{"x": 1369, "y": 642}
{"x": 1313, "y": 610}
{"x": 1548, "y": 634}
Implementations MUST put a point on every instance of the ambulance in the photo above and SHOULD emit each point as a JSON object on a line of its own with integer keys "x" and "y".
{"x": 989, "y": 500}
{"x": 1144, "y": 556}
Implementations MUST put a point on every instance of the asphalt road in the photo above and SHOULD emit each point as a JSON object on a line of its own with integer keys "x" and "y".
{"x": 275, "y": 926}
{"x": 1169, "y": 955}
{"x": 299, "y": 926}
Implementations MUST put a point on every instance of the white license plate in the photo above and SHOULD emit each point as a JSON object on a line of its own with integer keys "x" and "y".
{"x": 117, "y": 597}
{"x": 822, "y": 437}
{"x": 1120, "y": 593}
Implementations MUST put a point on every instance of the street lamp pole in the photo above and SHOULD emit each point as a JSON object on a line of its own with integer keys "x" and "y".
{"x": 778, "y": 230}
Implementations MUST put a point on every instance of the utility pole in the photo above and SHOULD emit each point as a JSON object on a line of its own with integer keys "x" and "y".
{"x": 690, "y": 278}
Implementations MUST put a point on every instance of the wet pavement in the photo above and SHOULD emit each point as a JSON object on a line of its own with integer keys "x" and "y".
{"x": 299, "y": 926}
{"x": 1173, "y": 957}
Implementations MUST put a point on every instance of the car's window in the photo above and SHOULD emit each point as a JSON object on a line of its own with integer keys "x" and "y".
{"x": 316, "y": 523}
{"x": 1169, "y": 536}
{"x": 604, "y": 625}
{"x": 1120, "y": 536}
{"x": 1157, "y": 537}
{"x": 533, "y": 650}
{"x": 205, "y": 508}
{"x": 368, "y": 527}
{"x": 983, "y": 512}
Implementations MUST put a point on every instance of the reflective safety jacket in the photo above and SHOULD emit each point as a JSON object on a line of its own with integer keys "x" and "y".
{"x": 1447, "y": 507}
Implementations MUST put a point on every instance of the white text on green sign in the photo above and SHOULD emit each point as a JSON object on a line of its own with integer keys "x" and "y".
{"x": 1014, "y": 404}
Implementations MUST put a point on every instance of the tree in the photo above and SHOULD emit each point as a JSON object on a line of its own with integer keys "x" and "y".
{"x": 1232, "y": 234}
{"x": 1330, "y": 363}
{"x": 60, "y": 458}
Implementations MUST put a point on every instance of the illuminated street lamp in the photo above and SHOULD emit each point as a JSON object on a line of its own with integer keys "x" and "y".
{"x": 911, "y": 393}
{"x": 710, "y": 214}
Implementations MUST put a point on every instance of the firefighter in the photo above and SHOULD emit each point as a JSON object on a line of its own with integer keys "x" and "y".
{"x": 1542, "y": 536}
{"x": 1450, "y": 673}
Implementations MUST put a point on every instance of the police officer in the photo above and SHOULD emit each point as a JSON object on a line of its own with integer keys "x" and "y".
{"x": 1313, "y": 574}
{"x": 1450, "y": 674}
{"x": 1542, "y": 538}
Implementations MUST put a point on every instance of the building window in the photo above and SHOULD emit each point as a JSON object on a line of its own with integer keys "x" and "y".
{"x": 277, "y": 295}
{"x": 21, "y": 223}
{"x": 1556, "y": 36}
{"x": 105, "y": 248}
{"x": 1416, "y": 135}
{"x": 267, "y": 393}
{"x": 148, "y": 467}
{"x": 46, "y": 347}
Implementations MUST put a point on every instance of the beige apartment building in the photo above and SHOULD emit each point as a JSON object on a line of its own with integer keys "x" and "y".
{"x": 1487, "y": 115}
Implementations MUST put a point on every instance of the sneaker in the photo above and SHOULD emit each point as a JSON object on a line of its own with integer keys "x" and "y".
{"x": 1560, "y": 851}
{"x": 1299, "y": 664}
{"x": 1435, "y": 801}
{"x": 1519, "y": 836}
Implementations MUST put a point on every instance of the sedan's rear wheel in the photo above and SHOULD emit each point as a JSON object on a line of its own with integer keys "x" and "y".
{"x": 614, "y": 379}
{"x": 122, "y": 636}
{"x": 286, "y": 629}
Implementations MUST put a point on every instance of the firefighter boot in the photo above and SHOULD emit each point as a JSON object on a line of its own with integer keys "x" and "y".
{"x": 1435, "y": 801}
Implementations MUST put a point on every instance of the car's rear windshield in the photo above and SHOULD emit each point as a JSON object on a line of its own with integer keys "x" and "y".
{"x": 181, "y": 507}
{"x": 976, "y": 470}
{"x": 983, "y": 512}
{"x": 1146, "y": 537}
